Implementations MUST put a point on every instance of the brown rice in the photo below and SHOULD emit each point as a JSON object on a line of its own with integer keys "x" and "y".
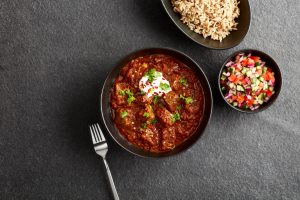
{"x": 214, "y": 18}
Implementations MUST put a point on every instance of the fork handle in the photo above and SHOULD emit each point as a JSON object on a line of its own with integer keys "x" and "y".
{"x": 111, "y": 181}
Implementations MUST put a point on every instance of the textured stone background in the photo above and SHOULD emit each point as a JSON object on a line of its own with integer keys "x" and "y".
{"x": 54, "y": 56}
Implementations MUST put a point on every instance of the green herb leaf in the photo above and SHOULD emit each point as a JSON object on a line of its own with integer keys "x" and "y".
{"x": 179, "y": 107}
{"x": 153, "y": 121}
{"x": 130, "y": 98}
{"x": 122, "y": 92}
{"x": 124, "y": 114}
{"x": 128, "y": 92}
{"x": 257, "y": 64}
{"x": 187, "y": 100}
{"x": 152, "y": 74}
{"x": 175, "y": 117}
{"x": 156, "y": 99}
{"x": 164, "y": 86}
{"x": 183, "y": 81}
{"x": 146, "y": 114}
{"x": 144, "y": 125}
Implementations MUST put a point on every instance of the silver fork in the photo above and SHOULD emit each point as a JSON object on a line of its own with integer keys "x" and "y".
{"x": 101, "y": 148}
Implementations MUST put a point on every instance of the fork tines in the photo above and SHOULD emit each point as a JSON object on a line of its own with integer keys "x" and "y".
{"x": 97, "y": 135}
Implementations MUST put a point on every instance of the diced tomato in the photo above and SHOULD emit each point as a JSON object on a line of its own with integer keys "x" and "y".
{"x": 240, "y": 99}
{"x": 255, "y": 58}
{"x": 244, "y": 62}
{"x": 268, "y": 76}
{"x": 244, "y": 81}
{"x": 232, "y": 78}
{"x": 268, "y": 93}
{"x": 269, "y": 69}
{"x": 250, "y": 62}
{"x": 250, "y": 102}
{"x": 234, "y": 97}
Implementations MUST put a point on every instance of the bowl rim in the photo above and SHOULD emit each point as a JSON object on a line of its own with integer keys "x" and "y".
{"x": 130, "y": 55}
{"x": 207, "y": 46}
{"x": 268, "y": 104}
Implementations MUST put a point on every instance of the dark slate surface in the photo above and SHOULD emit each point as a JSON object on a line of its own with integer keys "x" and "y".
{"x": 54, "y": 56}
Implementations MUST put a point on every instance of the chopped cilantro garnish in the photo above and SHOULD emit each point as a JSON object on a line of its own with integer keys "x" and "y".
{"x": 164, "y": 86}
{"x": 175, "y": 117}
{"x": 128, "y": 92}
{"x": 130, "y": 98}
{"x": 124, "y": 114}
{"x": 187, "y": 100}
{"x": 122, "y": 92}
{"x": 152, "y": 74}
{"x": 153, "y": 121}
{"x": 144, "y": 125}
{"x": 146, "y": 114}
{"x": 156, "y": 99}
{"x": 179, "y": 107}
{"x": 183, "y": 81}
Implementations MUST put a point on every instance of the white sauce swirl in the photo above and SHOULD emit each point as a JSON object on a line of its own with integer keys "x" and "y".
{"x": 154, "y": 88}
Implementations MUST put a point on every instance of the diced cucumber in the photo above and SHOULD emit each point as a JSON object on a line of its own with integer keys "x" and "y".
{"x": 244, "y": 71}
{"x": 231, "y": 85}
{"x": 261, "y": 78}
{"x": 271, "y": 89}
{"x": 264, "y": 70}
{"x": 254, "y": 88}
{"x": 257, "y": 82}
{"x": 261, "y": 96}
{"x": 239, "y": 88}
{"x": 248, "y": 73}
{"x": 235, "y": 103}
{"x": 223, "y": 77}
{"x": 258, "y": 66}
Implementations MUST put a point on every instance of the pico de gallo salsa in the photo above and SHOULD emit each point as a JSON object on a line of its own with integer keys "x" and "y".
{"x": 247, "y": 82}
{"x": 157, "y": 102}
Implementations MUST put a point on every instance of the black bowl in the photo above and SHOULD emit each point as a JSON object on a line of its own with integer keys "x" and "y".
{"x": 270, "y": 63}
{"x": 106, "y": 109}
{"x": 232, "y": 40}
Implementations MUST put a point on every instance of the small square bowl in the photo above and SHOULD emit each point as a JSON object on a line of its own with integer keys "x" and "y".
{"x": 270, "y": 63}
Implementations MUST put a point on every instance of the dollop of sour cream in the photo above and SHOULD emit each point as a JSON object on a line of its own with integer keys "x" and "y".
{"x": 158, "y": 86}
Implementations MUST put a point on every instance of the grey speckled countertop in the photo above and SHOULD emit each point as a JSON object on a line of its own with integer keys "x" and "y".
{"x": 54, "y": 56}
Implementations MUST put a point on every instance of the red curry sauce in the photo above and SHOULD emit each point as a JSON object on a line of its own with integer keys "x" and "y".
{"x": 156, "y": 123}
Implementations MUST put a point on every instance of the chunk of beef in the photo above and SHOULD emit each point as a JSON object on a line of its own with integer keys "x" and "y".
{"x": 168, "y": 138}
{"x": 136, "y": 72}
{"x": 150, "y": 134}
{"x": 121, "y": 98}
{"x": 126, "y": 118}
{"x": 164, "y": 115}
{"x": 147, "y": 113}
{"x": 172, "y": 100}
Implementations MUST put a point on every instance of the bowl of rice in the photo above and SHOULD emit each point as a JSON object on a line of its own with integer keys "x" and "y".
{"x": 215, "y": 24}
